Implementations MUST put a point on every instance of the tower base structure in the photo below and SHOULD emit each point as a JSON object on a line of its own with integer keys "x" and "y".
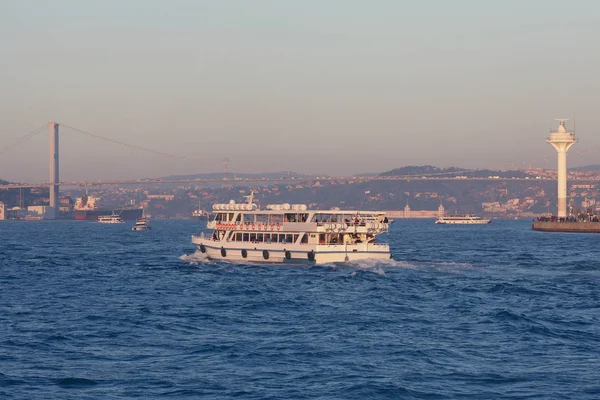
{"x": 572, "y": 227}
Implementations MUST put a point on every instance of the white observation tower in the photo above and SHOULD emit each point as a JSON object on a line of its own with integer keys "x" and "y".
{"x": 562, "y": 140}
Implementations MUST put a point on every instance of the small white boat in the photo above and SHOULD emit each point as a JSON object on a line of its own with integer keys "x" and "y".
{"x": 466, "y": 219}
{"x": 110, "y": 219}
{"x": 141, "y": 224}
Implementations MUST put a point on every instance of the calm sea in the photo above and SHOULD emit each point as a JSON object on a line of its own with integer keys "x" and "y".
{"x": 92, "y": 311}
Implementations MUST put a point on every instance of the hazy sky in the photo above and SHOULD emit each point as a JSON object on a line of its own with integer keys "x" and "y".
{"x": 336, "y": 87}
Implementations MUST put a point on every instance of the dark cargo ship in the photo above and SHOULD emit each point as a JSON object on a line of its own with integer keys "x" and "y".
{"x": 85, "y": 209}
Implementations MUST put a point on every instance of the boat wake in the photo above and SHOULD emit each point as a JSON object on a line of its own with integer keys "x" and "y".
{"x": 379, "y": 266}
{"x": 372, "y": 265}
{"x": 195, "y": 258}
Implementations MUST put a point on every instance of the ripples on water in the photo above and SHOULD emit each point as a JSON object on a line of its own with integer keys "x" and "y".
{"x": 496, "y": 311}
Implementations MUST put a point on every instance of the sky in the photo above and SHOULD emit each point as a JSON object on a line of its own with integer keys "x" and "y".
{"x": 334, "y": 87}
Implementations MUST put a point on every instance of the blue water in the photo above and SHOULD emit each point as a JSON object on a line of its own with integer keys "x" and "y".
{"x": 92, "y": 311}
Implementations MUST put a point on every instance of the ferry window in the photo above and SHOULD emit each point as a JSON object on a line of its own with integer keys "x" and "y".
{"x": 238, "y": 237}
{"x": 248, "y": 218}
{"x": 268, "y": 238}
{"x": 246, "y": 237}
{"x": 253, "y": 237}
{"x": 259, "y": 237}
{"x": 275, "y": 238}
{"x": 230, "y": 217}
{"x": 321, "y": 238}
{"x": 304, "y": 238}
{"x": 289, "y": 238}
{"x": 303, "y": 217}
{"x": 239, "y": 218}
{"x": 295, "y": 238}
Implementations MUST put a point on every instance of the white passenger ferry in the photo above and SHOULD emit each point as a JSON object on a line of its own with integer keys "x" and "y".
{"x": 110, "y": 219}
{"x": 462, "y": 219}
{"x": 291, "y": 233}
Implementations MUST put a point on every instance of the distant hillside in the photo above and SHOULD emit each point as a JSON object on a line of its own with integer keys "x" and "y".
{"x": 595, "y": 167}
{"x": 421, "y": 170}
{"x": 431, "y": 171}
{"x": 224, "y": 175}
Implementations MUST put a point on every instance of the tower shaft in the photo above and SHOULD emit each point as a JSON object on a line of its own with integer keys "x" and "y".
{"x": 54, "y": 196}
{"x": 562, "y": 183}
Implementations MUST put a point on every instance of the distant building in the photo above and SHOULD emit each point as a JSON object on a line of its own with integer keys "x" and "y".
{"x": 41, "y": 212}
{"x": 408, "y": 213}
{"x": 166, "y": 197}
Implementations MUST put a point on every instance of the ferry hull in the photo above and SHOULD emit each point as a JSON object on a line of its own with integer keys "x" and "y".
{"x": 277, "y": 254}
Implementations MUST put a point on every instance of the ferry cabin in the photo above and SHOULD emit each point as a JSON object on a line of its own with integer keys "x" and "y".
{"x": 283, "y": 234}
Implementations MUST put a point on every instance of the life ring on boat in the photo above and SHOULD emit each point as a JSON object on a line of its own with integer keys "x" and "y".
{"x": 253, "y": 226}
{"x": 266, "y": 254}
{"x": 202, "y": 248}
{"x": 244, "y": 253}
{"x": 259, "y": 227}
{"x": 311, "y": 255}
{"x": 288, "y": 254}
{"x": 272, "y": 227}
{"x": 278, "y": 227}
{"x": 223, "y": 252}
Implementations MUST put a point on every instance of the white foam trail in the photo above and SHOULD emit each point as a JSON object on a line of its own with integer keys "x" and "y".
{"x": 195, "y": 258}
{"x": 373, "y": 265}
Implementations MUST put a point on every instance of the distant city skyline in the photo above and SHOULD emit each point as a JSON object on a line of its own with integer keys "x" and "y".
{"x": 336, "y": 87}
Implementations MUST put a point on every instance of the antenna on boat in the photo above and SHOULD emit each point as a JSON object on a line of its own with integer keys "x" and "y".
{"x": 250, "y": 197}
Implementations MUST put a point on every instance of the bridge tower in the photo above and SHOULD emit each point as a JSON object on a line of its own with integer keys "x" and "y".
{"x": 562, "y": 140}
{"x": 54, "y": 199}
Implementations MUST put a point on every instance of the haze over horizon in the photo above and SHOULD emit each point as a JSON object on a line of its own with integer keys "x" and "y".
{"x": 337, "y": 87}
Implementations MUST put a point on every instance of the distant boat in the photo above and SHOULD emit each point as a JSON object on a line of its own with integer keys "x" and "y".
{"x": 141, "y": 224}
{"x": 200, "y": 214}
{"x": 466, "y": 219}
{"x": 110, "y": 219}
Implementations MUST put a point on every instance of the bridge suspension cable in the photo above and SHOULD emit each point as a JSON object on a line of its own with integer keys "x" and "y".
{"x": 148, "y": 150}
{"x": 22, "y": 139}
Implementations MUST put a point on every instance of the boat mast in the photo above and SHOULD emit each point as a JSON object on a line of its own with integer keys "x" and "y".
{"x": 250, "y": 197}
